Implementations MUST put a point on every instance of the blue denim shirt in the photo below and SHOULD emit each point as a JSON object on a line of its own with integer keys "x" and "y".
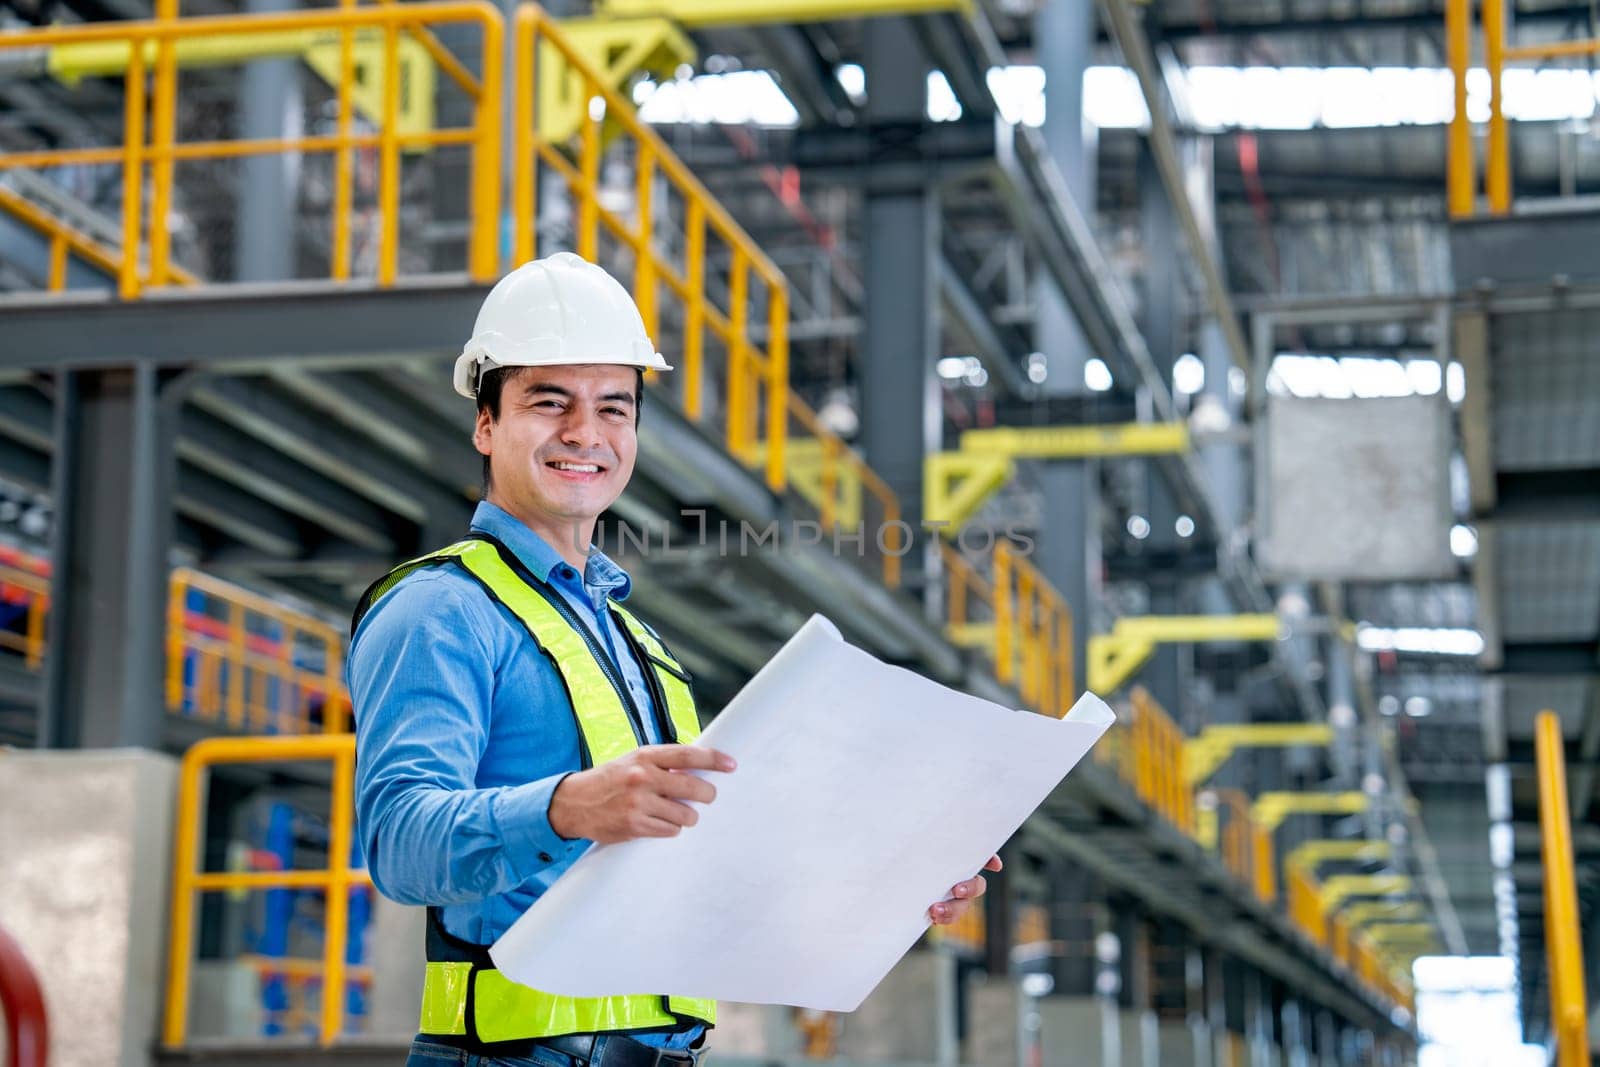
{"x": 463, "y": 731}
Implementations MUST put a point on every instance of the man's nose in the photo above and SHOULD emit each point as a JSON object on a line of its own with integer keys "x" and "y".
{"x": 581, "y": 428}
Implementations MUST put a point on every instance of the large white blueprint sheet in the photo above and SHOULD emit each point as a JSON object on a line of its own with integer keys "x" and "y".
{"x": 863, "y": 793}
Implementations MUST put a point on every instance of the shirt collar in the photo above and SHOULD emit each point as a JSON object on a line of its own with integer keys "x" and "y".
{"x": 601, "y": 575}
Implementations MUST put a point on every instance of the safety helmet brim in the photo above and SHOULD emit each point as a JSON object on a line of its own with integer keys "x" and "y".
{"x": 476, "y": 360}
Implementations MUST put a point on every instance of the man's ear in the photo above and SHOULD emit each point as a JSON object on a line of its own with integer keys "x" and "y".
{"x": 483, "y": 432}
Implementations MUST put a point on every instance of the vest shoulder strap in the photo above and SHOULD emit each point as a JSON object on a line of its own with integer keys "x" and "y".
{"x": 375, "y": 592}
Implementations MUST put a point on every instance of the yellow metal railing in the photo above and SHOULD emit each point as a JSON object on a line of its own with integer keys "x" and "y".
{"x": 149, "y": 154}
{"x": 26, "y": 589}
{"x": 1562, "y": 934}
{"x": 1462, "y": 179}
{"x": 233, "y": 657}
{"x": 1026, "y": 630}
{"x": 1225, "y": 823}
{"x": 247, "y": 662}
{"x": 67, "y": 241}
{"x": 1158, "y": 761}
{"x": 731, "y": 303}
{"x": 335, "y": 880}
{"x": 679, "y": 242}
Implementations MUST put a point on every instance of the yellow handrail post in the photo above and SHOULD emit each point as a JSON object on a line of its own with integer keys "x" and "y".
{"x": 1005, "y": 669}
{"x": 644, "y": 262}
{"x": 1563, "y": 937}
{"x": 739, "y": 391}
{"x": 694, "y": 318}
{"x": 1462, "y": 166}
{"x": 58, "y": 262}
{"x": 589, "y": 167}
{"x": 236, "y": 647}
{"x": 1261, "y": 861}
{"x": 830, "y": 482}
{"x": 132, "y": 169}
{"x": 180, "y": 947}
{"x": 336, "y": 906}
{"x": 777, "y": 383}
{"x": 163, "y": 131}
{"x": 483, "y": 246}
{"x": 38, "y": 604}
{"x": 525, "y": 158}
{"x": 1499, "y": 166}
{"x": 343, "y": 156}
{"x": 389, "y": 161}
{"x": 1025, "y": 639}
{"x": 891, "y": 520}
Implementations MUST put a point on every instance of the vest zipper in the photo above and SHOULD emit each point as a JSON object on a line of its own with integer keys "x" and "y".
{"x": 663, "y": 721}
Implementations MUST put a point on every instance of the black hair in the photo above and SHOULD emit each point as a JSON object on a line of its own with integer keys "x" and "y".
{"x": 494, "y": 382}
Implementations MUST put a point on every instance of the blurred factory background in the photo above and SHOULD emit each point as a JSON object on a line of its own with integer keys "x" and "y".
{"x": 1238, "y": 360}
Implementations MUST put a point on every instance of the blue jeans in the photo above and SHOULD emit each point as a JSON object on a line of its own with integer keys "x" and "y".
{"x": 425, "y": 1053}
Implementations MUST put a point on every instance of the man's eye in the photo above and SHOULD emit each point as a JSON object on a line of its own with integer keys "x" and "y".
{"x": 612, "y": 411}
{"x": 547, "y": 404}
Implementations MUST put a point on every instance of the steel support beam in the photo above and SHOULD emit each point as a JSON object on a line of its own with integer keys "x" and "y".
{"x": 115, "y": 465}
{"x": 243, "y": 329}
{"x": 901, "y": 411}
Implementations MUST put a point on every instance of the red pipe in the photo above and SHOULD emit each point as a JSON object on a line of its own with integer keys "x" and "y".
{"x": 22, "y": 1004}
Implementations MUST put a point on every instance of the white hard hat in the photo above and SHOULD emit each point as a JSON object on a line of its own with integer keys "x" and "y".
{"x": 555, "y": 311}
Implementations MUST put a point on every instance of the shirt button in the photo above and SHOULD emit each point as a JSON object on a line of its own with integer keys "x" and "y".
{"x": 545, "y": 857}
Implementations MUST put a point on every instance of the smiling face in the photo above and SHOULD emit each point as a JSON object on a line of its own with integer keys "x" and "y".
{"x": 561, "y": 448}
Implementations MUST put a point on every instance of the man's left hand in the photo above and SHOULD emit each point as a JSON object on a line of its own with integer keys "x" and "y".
{"x": 962, "y": 895}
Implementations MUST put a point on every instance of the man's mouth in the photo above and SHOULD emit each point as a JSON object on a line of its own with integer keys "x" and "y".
{"x": 569, "y": 469}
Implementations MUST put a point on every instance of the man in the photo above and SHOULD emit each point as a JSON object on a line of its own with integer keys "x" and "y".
{"x": 509, "y": 710}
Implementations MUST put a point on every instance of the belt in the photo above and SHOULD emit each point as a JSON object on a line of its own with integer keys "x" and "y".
{"x": 617, "y": 1051}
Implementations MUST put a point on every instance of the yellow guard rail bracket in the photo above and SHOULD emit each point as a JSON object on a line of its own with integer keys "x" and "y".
{"x": 1210, "y": 749}
{"x": 1117, "y": 656}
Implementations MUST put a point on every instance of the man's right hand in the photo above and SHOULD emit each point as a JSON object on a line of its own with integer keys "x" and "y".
{"x": 639, "y": 794}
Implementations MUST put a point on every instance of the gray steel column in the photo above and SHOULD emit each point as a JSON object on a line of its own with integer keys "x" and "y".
{"x": 267, "y": 215}
{"x": 1074, "y": 921}
{"x": 1160, "y": 296}
{"x": 114, "y": 465}
{"x": 1000, "y": 912}
{"x": 1068, "y": 545}
{"x": 901, "y": 416}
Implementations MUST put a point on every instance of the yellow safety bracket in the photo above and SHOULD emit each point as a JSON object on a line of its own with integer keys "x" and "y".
{"x": 620, "y": 48}
{"x": 1210, "y": 749}
{"x": 955, "y": 485}
{"x": 1309, "y": 855}
{"x": 1341, "y": 887}
{"x": 69, "y": 63}
{"x": 1270, "y": 809}
{"x": 1080, "y": 442}
{"x": 1115, "y": 657}
{"x": 1371, "y": 911}
{"x": 1392, "y": 934}
{"x": 695, "y": 14}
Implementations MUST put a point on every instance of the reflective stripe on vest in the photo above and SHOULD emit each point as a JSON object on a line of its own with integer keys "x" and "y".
{"x": 502, "y": 1010}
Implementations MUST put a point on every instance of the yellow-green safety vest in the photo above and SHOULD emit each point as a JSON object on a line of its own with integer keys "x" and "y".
{"x": 463, "y": 994}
